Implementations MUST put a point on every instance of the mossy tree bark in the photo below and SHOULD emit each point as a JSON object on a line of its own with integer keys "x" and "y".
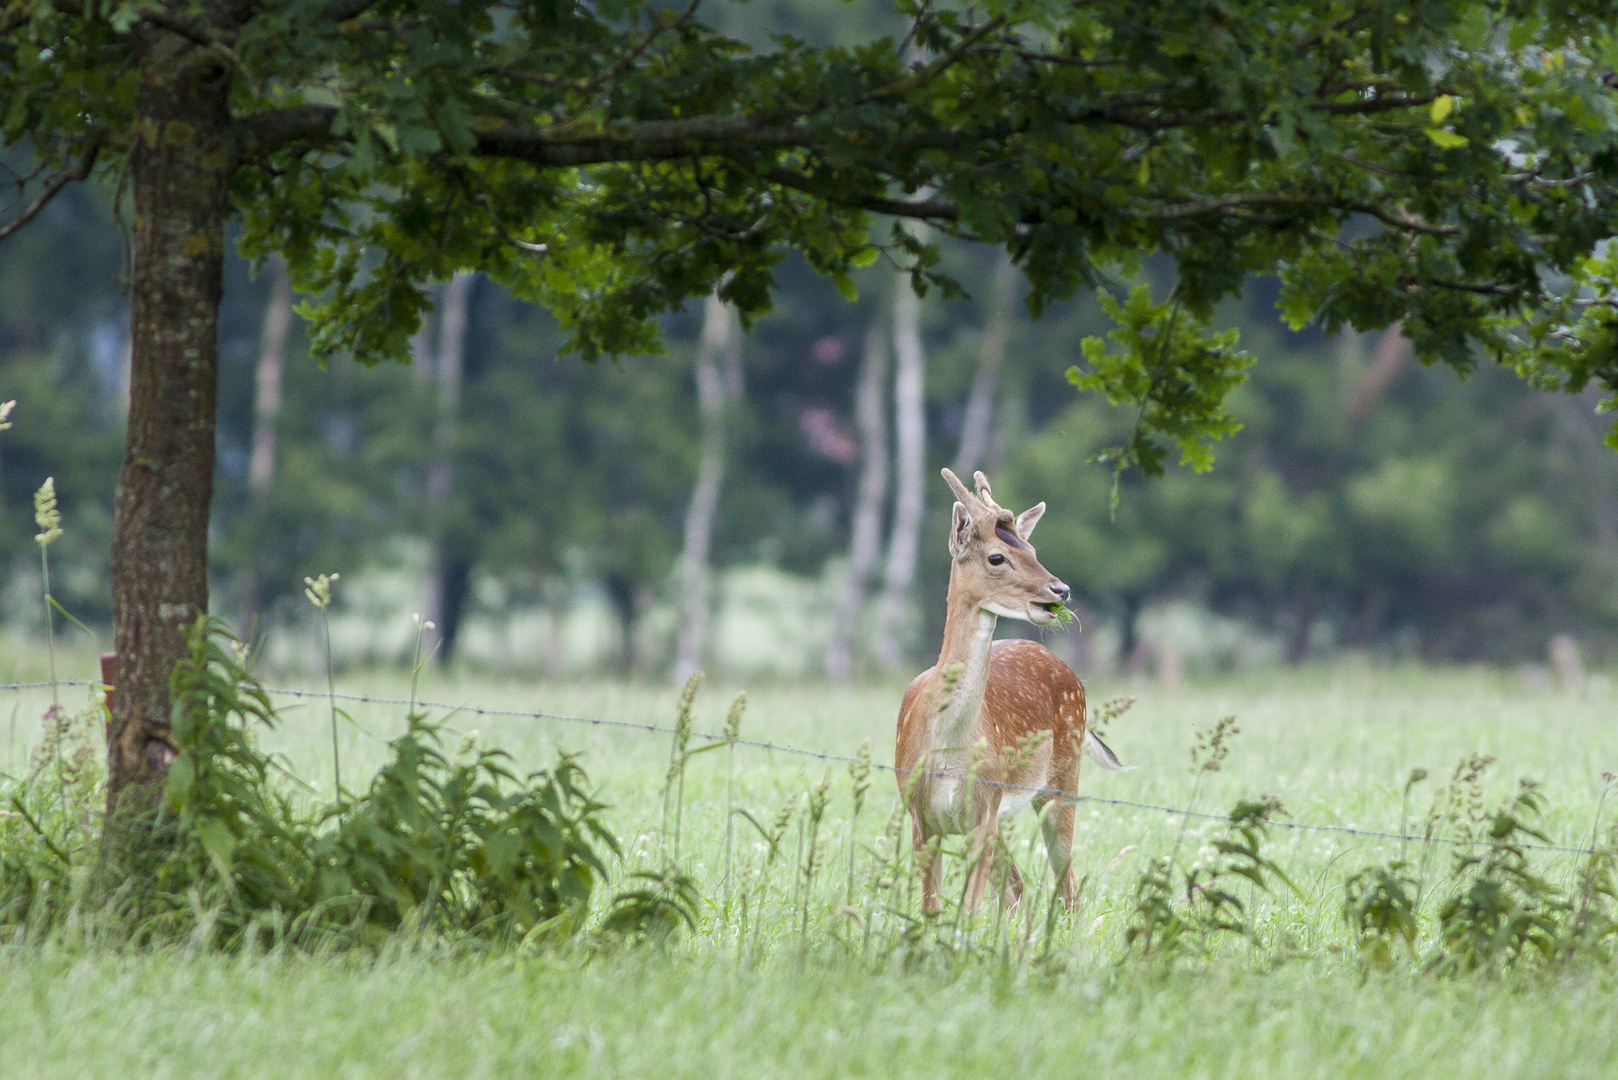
{"x": 180, "y": 170}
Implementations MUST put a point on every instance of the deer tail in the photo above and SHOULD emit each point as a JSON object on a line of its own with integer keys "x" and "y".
{"x": 1100, "y": 753}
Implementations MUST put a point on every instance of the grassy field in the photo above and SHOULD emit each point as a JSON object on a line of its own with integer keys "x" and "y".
{"x": 796, "y": 986}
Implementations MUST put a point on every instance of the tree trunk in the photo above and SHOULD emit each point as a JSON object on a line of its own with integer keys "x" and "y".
{"x": 980, "y": 402}
{"x": 452, "y": 562}
{"x": 910, "y": 430}
{"x": 629, "y": 598}
{"x": 452, "y": 581}
{"x": 865, "y": 539}
{"x": 716, "y": 388}
{"x": 1303, "y": 613}
{"x": 266, "y": 414}
{"x": 180, "y": 171}
{"x": 1392, "y": 356}
{"x": 1129, "y": 643}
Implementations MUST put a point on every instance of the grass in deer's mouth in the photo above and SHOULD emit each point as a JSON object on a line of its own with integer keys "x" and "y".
{"x": 1063, "y": 613}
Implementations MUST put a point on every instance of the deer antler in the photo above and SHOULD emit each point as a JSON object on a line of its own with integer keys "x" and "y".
{"x": 984, "y": 494}
{"x": 967, "y": 499}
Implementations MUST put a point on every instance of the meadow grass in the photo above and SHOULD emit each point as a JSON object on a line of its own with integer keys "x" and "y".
{"x": 794, "y": 985}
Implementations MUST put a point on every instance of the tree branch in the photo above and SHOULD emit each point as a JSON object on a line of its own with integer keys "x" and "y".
{"x": 1210, "y": 207}
{"x": 932, "y": 70}
{"x": 266, "y": 132}
{"x": 53, "y": 187}
{"x": 933, "y": 209}
{"x": 340, "y": 11}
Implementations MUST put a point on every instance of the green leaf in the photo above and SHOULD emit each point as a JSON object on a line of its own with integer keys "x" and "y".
{"x": 218, "y": 841}
{"x": 1446, "y": 139}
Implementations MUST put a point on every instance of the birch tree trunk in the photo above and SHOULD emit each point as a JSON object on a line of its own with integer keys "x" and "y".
{"x": 865, "y": 534}
{"x": 266, "y": 414}
{"x": 718, "y": 386}
{"x": 452, "y": 564}
{"x": 975, "y": 426}
{"x": 1393, "y": 354}
{"x": 910, "y": 461}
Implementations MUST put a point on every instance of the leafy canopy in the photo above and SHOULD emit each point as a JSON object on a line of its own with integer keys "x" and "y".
{"x": 1447, "y": 163}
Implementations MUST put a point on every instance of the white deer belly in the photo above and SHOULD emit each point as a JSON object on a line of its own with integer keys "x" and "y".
{"x": 948, "y": 807}
{"x": 1017, "y": 796}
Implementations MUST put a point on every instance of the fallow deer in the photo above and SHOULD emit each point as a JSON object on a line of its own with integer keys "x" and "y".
{"x": 994, "y": 726}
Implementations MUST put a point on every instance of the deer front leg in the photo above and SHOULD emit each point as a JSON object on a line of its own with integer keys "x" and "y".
{"x": 983, "y": 854}
{"x": 1006, "y": 871}
{"x": 927, "y": 853}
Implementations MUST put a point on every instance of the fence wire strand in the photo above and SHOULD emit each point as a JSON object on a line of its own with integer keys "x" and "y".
{"x": 844, "y": 759}
{"x": 819, "y": 755}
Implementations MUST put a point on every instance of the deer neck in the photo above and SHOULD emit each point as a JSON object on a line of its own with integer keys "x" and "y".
{"x": 963, "y": 669}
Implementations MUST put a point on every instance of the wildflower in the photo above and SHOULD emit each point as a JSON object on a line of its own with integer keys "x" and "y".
{"x": 46, "y": 516}
{"x": 319, "y": 589}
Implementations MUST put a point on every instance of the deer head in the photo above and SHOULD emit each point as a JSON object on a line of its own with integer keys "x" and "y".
{"x": 995, "y": 568}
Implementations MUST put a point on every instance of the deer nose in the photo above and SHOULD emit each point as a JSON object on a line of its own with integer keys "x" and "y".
{"x": 1060, "y": 591}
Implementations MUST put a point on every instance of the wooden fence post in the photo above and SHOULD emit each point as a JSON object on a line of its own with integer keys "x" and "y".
{"x": 109, "y": 668}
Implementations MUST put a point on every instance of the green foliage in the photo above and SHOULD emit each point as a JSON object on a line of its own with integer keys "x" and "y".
{"x": 1175, "y": 372}
{"x": 655, "y": 908}
{"x": 1450, "y": 164}
{"x": 1380, "y": 906}
{"x": 50, "y": 821}
{"x": 1179, "y": 912}
{"x": 1504, "y": 912}
{"x": 457, "y": 845}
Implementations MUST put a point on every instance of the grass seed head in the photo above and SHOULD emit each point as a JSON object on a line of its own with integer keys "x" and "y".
{"x": 1107, "y": 712}
{"x": 1213, "y": 747}
{"x": 733, "y": 719}
{"x": 318, "y": 589}
{"x": 46, "y": 515}
{"x": 859, "y": 771}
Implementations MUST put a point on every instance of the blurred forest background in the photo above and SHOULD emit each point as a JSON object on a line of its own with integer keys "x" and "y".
{"x": 769, "y": 502}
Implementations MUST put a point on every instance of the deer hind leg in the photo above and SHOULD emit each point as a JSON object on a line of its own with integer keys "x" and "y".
{"x": 1056, "y": 823}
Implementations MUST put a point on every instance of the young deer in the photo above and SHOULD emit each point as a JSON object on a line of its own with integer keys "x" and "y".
{"x": 994, "y": 725}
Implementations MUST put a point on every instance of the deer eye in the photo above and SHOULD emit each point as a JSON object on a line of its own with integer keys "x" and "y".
{"x": 996, "y": 559}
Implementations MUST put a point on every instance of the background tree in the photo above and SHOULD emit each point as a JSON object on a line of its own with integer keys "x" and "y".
{"x": 719, "y": 388}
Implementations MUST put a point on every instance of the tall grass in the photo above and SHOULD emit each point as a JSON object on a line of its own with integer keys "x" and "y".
{"x": 731, "y": 876}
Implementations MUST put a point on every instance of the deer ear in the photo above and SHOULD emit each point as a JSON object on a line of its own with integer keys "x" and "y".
{"x": 1028, "y": 519}
{"x": 960, "y": 532}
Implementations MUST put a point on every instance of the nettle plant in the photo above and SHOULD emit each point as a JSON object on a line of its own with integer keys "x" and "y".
{"x": 1177, "y": 912}
{"x": 1499, "y": 909}
{"x": 458, "y": 845}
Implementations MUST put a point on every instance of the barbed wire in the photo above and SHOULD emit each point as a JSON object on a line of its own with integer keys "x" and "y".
{"x": 820, "y": 755}
{"x": 844, "y": 759}
{"x": 47, "y": 684}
